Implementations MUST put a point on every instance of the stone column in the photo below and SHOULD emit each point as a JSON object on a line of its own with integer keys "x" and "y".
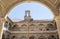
{"x": 57, "y": 19}
{"x": 1, "y": 26}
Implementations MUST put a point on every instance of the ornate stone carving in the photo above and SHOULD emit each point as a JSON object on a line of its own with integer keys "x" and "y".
{"x": 8, "y": 4}
{"x": 51, "y": 27}
{"x": 23, "y": 37}
{"x": 52, "y": 37}
{"x": 13, "y": 37}
{"x": 42, "y": 37}
{"x": 31, "y": 37}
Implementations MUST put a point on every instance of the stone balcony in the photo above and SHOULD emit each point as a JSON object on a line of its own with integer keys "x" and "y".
{"x": 33, "y": 31}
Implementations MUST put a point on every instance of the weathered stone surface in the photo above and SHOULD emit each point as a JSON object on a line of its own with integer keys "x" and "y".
{"x": 6, "y": 5}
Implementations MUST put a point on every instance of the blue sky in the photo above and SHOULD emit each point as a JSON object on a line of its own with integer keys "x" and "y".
{"x": 38, "y": 11}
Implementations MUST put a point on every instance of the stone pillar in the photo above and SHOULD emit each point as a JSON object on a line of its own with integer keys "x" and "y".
{"x": 1, "y": 26}
{"x": 57, "y": 19}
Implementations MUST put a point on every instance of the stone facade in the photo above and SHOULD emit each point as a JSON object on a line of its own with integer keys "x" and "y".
{"x": 30, "y": 29}
{"x": 7, "y": 5}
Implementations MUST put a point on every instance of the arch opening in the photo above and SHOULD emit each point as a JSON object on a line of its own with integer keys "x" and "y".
{"x": 19, "y": 11}
{"x": 38, "y": 11}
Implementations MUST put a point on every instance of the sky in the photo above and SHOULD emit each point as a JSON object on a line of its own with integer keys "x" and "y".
{"x": 38, "y": 11}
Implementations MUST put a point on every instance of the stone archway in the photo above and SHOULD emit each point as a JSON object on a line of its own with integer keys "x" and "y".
{"x": 42, "y": 37}
{"x": 32, "y": 37}
{"x": 45, "y": 2}
{"x": 52, "y": 37}
{"x": 49, "y": 5}
{"x": 8, "y": 5}
{"x": 3, "y": 36}
{"x": 23, "y": 37}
